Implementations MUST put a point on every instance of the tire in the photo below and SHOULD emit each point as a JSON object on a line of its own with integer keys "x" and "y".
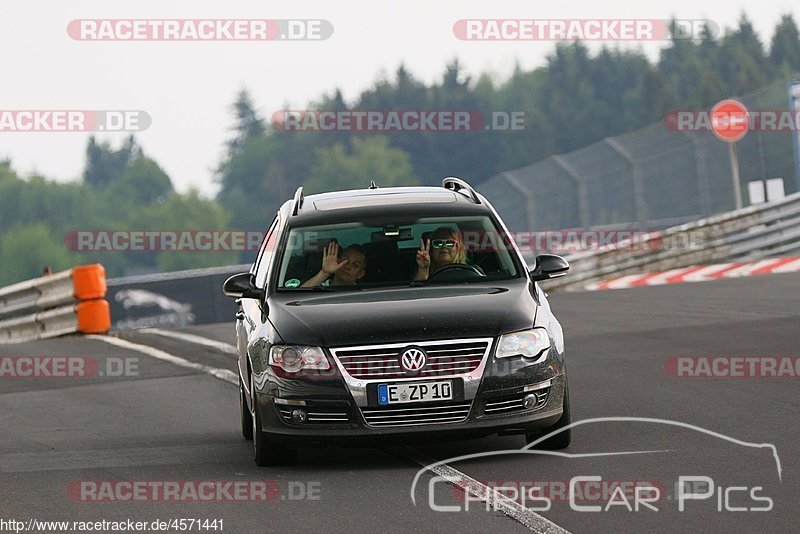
{"x": 244, "y": 414}
{"x": 265, "y": 451}
{"x": 560, "y": 440}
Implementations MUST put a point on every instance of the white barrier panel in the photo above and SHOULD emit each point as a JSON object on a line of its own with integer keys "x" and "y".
{"x": 53, "y": 305}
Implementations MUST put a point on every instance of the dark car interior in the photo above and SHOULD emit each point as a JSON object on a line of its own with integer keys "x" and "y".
{"x": 387, "y": 261}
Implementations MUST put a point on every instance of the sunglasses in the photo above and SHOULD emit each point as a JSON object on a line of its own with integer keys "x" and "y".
{"x": 443, "y": 243}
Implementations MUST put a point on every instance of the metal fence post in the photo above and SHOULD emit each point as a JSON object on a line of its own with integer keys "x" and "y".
{"x": 583, "y": 191}
{"x": 700, "y": 173}
{"x": 530, "y": 212}
{"x": 636, "y": 176}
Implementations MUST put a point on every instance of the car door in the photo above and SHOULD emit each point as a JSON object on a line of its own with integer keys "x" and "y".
{"x": 249, "y": 318}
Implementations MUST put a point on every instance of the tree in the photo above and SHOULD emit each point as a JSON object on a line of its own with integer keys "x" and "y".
{"x": 405, "y": 92}
{"x": 26, "y": 249}
{"x": 262, "y": 165}
{"x": 141, "y": 183}
{"x": 256, "y": 178}
{"x": 570, "y": 97}
{"x": 185, "y": 212}
{"x": 248, "y": 124}
{"x": 785, "y": 47}
{"x": 371, "y": 159}
{"x": 742, "y": 62}
{"x": 104, "y": 165}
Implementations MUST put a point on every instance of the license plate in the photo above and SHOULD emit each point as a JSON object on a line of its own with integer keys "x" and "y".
{"x": 414, "y": 392}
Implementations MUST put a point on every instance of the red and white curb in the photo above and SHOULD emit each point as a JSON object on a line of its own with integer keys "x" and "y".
{"x": 701, "y": 273}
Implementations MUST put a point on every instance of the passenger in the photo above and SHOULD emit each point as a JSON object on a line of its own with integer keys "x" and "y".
{"x": 444, "y": 247}
{"x": 342, "y": 269}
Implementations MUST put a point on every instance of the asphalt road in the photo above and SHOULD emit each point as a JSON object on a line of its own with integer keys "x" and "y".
{"x": 62, "y": 439}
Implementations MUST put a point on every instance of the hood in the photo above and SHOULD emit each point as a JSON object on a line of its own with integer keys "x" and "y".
{"x": 408, "y": 314}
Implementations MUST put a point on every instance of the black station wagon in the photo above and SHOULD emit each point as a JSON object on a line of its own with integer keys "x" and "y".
{"x": 404, "y": 313}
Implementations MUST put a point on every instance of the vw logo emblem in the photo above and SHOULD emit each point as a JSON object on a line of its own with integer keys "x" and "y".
{"x": 413, "y": 360}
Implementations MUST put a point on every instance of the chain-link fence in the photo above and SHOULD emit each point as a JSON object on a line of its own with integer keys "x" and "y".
{"x": 651, "y": 178}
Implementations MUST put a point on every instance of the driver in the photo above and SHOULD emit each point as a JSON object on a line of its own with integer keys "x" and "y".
{"x": 444, "y": 247}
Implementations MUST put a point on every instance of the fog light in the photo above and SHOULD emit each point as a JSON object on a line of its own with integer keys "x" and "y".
{"x": 529, "y": 401}
{"x": 299, "y": 416}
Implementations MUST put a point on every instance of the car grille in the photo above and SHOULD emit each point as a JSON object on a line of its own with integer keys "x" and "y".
{"x": 420, "y": 415}
{"x": 316, "y": 414}
{"x": 515, "y": 403}
{"x": 444, "y": 358}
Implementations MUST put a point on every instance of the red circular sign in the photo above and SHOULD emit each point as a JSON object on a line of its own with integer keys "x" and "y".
{"x": 730, "y": 120}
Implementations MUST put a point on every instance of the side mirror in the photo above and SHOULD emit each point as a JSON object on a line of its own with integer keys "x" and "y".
{"x": 549, "y": 266}
{"x": 242, "y": 286}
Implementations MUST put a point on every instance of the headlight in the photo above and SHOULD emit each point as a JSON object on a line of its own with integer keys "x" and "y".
{"x": 296, "y": 358}
{"x": 528, "y": 343}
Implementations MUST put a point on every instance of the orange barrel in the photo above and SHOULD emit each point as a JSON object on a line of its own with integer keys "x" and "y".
{"x": 94, "y": 316}
{"x": 89, "y": 282}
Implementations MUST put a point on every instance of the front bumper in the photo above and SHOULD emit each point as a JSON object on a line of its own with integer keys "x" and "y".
{"x": 333, "y": 414}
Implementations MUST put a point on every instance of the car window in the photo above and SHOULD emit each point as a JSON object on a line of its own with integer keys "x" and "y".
{"x": 265, "y": 254}
{"x": 389, "y": 250}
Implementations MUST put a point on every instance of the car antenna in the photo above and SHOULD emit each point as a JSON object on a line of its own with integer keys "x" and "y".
{"x": 372, "y": 184}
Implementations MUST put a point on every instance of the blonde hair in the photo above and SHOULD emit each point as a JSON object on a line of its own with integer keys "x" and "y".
{"x": 444, "y": 232}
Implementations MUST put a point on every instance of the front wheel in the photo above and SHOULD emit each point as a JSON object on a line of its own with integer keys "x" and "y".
{"x": 563, "y": 438}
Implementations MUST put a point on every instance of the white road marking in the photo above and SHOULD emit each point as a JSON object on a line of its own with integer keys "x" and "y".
{"x": 623, "y": 281}
{"x": 227, "y": 348}
{"x": 497, "y": 501}
{"x": 709, "y": 272}
{"x": 790, "y": 267}
{"x": 662, "y": 278}
{"x": 223, "y": 374}
{"x": 748, "y": 268}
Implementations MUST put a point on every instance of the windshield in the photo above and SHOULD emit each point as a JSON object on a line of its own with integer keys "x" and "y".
{"x": 431, "y": 250}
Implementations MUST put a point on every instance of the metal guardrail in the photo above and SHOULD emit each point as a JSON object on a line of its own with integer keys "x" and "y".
{"x": 764, "y": 230}
{"x": 40, "y": 293}
{"x": 56, "y": 304}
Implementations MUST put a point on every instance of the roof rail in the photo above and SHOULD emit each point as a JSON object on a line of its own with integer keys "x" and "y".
{"x": 457, "y": 185}
{"x": 298, "y": 200}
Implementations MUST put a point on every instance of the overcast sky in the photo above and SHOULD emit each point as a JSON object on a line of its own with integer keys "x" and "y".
{"x": 187, "y": 87}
